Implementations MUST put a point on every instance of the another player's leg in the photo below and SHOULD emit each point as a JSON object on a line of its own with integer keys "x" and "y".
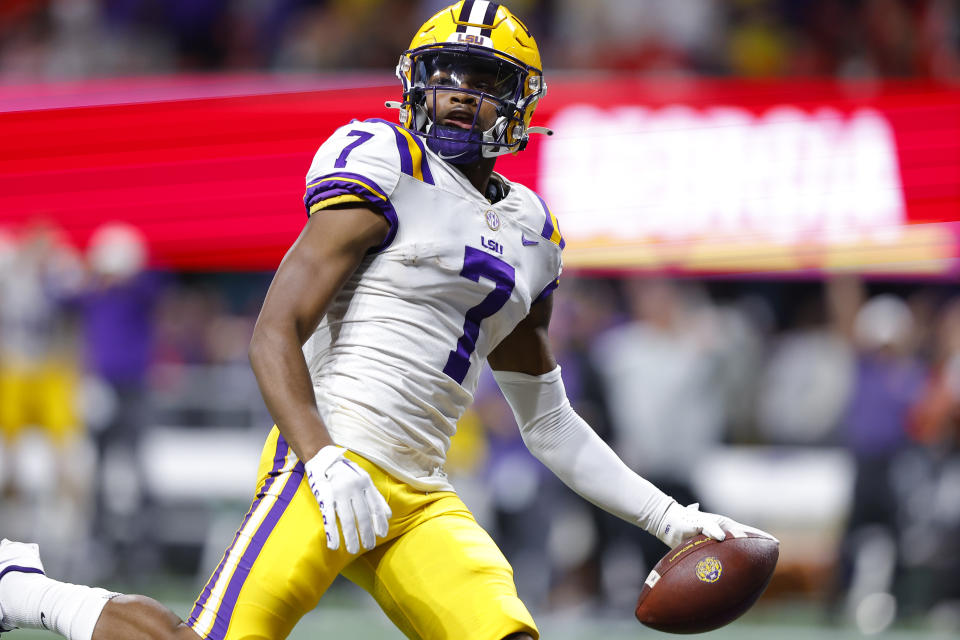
{"x": 130, "y": 617}
{"x": 31, "y": 600}
{"x": 275, "y": 571}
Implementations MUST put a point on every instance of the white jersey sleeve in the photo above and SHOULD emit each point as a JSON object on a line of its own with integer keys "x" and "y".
{"x": 359, "y": 163}
{"x": 551, "y": 232}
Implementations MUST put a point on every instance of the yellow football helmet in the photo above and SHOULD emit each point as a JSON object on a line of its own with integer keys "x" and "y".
{"x": 469, "y": 39}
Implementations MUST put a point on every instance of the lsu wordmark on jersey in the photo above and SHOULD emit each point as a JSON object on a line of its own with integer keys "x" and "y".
{"x": 418, "y": 318}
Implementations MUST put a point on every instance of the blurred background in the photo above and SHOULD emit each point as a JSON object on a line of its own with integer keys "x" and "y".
{"x": 759, "y": 309}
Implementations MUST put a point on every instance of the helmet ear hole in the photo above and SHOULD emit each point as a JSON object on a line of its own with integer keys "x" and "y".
{"x": 417, "y": 95}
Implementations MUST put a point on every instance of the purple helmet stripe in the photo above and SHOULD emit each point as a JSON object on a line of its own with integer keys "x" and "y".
{"x": 292, "y": 483}
{"x": 488, "y": 18}
{"x": 279, "y": 457}
{"x": 465, "y": 12}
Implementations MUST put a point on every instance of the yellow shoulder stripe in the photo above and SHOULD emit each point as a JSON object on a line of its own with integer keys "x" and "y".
{"x": 323, "y": 204}
{"x": 555, "y": 237}
{"x": 416, "y": 155}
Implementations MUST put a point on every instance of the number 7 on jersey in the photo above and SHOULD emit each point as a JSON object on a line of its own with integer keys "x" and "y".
{"x": 362, "y": 136}
{"x": 479, "y": 264}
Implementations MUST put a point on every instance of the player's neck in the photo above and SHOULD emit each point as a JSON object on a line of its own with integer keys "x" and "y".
{"x": 478, "y": 173}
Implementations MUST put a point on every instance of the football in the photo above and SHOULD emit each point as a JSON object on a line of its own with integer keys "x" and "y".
{"x": 703, "y": 584}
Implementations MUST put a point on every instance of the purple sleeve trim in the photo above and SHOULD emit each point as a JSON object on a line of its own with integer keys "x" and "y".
{"x": 546, "y": 291}
{"x": 346, "y": 183}
{"x": 13, "y": 568}
{"x": 326, "y": 186}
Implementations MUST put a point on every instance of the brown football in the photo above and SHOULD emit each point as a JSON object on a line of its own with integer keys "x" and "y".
{"x": 703, "y": 584}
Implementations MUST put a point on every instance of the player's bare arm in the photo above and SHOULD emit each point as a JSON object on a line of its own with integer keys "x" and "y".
{"x": 527, "y": 348}
{"x": 328, "y": 250}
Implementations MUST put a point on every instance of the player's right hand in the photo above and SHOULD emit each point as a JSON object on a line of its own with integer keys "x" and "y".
{"x": 345, "y": 492}
{"x": 680, "y": 523}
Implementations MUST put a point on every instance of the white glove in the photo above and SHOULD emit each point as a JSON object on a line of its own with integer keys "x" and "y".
{"x": 680, "y": 523}
{"x": 345, "y": 491}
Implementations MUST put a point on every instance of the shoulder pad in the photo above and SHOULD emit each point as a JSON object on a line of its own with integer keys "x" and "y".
{"x": 551, "y": 228}
{"x": 363, "y": 161}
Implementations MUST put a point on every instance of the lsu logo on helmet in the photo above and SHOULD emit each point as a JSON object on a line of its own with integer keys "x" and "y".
{"x": 472, "y": 36}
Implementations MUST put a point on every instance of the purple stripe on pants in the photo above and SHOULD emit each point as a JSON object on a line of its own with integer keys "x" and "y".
{"x": 278, "y": 459}
{"x": 245, "y": 564}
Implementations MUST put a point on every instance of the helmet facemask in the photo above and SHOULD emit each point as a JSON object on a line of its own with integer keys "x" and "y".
{"x": 488, "y": 85}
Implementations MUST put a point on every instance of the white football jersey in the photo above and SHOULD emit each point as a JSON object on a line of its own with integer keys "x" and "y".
{"x": 396, "y": 358}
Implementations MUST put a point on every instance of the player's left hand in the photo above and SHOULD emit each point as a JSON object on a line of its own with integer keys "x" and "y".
{"x": 680, "y": 523}
{"x": 346, "y": 492}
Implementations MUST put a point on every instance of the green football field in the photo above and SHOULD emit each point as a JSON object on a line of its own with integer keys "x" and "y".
{"x": 350, "y": 618}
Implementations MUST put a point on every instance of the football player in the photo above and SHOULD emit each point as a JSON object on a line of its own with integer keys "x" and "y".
{"x": 417, "y": 264}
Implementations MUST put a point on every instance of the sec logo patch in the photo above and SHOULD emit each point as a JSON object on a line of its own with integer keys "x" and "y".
{"x": 709, "y": 569}
{"x": 493, "y": 220}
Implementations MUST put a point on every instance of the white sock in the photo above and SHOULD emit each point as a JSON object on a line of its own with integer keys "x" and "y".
{"x": 34, "y": 601}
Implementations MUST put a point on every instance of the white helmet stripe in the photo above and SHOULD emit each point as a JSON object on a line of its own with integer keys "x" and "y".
{"x": 478, "y": 12}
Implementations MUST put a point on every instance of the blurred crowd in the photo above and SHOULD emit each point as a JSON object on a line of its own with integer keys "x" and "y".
{"x": 673, "y": 372}
{"x": 58, "y": 39}
{"x": 96, "y": 352}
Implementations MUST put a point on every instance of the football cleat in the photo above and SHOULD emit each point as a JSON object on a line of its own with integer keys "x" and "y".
{"x": 467, "y": 41}
{"x": 17, "y": 557}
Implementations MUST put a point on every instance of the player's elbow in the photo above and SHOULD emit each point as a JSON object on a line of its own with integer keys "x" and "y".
{"x": 259, "y": 346}
{"x": 253, "y": 351}
{"x": 272, "y": 341}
